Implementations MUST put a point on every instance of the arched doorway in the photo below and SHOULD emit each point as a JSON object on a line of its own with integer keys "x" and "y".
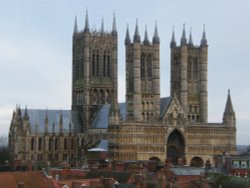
{"x": 197, "y": 162}
{"x": 175, "y": 147}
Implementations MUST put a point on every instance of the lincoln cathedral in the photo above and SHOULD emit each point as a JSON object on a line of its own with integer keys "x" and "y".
{"x": 147, "y": 126}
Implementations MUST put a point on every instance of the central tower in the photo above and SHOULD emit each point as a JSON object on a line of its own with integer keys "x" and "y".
{"x": 94, "y": 77}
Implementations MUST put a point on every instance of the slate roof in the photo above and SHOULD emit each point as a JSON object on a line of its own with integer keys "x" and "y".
{"x": 37, "y": 117}
{"x": 37, "y": 120}
{"x": 101, "y": 119}
{"x": 164, "y": 103}
{"x": 103, "y": 144}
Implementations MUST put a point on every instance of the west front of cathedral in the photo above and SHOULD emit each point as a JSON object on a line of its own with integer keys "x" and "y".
{"x": 146, "y": 126}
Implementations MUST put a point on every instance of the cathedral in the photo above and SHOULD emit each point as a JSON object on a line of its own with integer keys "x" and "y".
{"x": 146, "y": 126}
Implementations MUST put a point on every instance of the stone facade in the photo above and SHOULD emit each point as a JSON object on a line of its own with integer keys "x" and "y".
{"x": 174, "y": 128}
{"x": 146, "y": 126}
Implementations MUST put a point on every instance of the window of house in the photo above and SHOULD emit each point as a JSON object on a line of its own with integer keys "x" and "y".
{"x": 236, "y": 164}
{"x": 243, "y": 164}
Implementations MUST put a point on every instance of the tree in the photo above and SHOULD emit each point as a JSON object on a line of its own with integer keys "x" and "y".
{"x": 4, "y": 150}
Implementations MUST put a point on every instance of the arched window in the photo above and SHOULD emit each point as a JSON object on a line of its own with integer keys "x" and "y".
{"x": 190, "y": 62}
{"x": 195, "y": 69}
{"x": 108, "y": 66}
{"x": 40, "y": 144}
{"x": 93, "y": 63}
{"x": 56, "y": 142}
{"x": 104, "y": 63}
{"x": 97, "y": 63}
{"x": 149, "y": 61}
{"x": 50, "y": 143}
{"x": 143, "y": 66}
{"x": 65, "y": 143}
{"x": 32, "y": 144}
{"x": 72, "y": 143}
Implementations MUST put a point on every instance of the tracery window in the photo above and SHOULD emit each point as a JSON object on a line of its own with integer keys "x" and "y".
{"x": 65, "y": 143}
{"x": 143, "y": 66}
{"x": 149, "y": 62}
{"x": 32, "y": 143}
{"x": 50, "y": 143}
{"x": 95, "y": 63}
{"x": 40, "y": 144}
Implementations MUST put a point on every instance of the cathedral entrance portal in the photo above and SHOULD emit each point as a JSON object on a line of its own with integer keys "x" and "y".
{"x": 175, "y": 147}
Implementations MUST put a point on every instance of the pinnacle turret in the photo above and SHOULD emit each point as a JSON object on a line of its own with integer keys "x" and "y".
{"x": 46, "y": 121}
{"x": 86, "y": 28}
{"x": 114, "y": 30}
{"x": 61, "y": 123}
{"x": 156, "y": 38}
{"x": 146, "y": 40}
{"x": 75, "y": 26}
{"x": 229, "y": 114}
{"x": 183, "y": 37}
{"x": 229, "y": 106}
{"x": 190, "y": 40}
{"x": 127, "y": 39}
{"x": 102, "y": 27}
{"x": 137, "y": 37}
{"x": 26, "y": 115}
{"x": 203, "y": 39}
{"x": 173, "y": 42}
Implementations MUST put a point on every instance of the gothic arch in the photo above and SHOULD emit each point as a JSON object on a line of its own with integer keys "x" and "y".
{"x": 197, "y": 162}
{"x": 175, "y": 146}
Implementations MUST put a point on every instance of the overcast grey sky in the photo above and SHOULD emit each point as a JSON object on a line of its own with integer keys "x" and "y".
{"x": 36, "y": 46}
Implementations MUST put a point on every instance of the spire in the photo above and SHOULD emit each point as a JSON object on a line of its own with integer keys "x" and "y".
{"x": 75, "y": 26}
{"x": 26, "y": 115}
{"x": 190, "y": 40}
{"x": 137, "y": 37}
{"x": 102, "y": 27}
{"x": 204, "y": 38}
{"x": 114, "y": 31}
{"x": 53, "y": 126}
{"x": 86, "y": 28}
{"x": 46, "y": 121}
{"x": 156, "y": 38}
{"x": 61, "y": 123}
{"x": 229, "y": 106}
{"x": 183, "y": 37}
{"x": 127, "y": 39}
{"x": 173, "y": 42}
{"x": 70, "y": 128}
{"x": 146, "y": 41}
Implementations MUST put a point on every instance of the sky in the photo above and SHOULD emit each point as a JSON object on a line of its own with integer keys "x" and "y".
{"x": 36, "y": 49}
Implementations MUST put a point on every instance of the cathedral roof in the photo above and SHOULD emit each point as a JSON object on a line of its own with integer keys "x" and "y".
{"x": 101, "y": 121}
{"x": 102, "y": 118}
{"x": 37, "y": 120}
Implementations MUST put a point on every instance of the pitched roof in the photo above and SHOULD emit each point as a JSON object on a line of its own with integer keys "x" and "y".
{"x": 37, "y": 120}
{"x": 164, "y": 103}
{"x": 37, "y": 117}
{"x": 35, "y": 179}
